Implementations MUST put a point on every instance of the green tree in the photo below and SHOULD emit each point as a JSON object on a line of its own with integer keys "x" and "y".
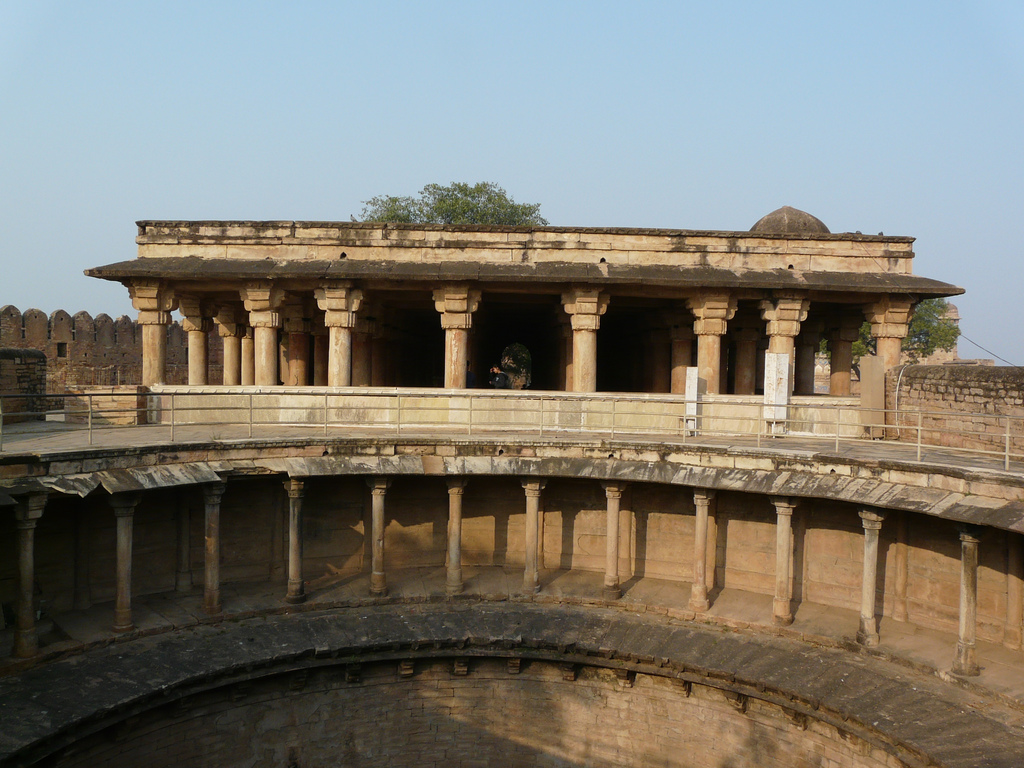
{"x": 458, "y": 203}
{"x": 930, "y": 330}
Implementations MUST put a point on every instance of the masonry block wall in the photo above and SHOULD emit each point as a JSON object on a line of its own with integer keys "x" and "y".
{"x": 22, "y": 372}
{"x": 961, "y": 398}
{"x": 83, "y": 351}
{"x": 485, "y": 717}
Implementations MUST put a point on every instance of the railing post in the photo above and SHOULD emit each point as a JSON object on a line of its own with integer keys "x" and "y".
{"x": 919, "y": 435}
{"x": 1006, "y": 453}
{"x": 88, "y": 404}
{"x": 613, "y": 418}
{"x": 172, "y": 417}
{"x": 250, "y": 415}
{"x": 325, "y": 414}
{"x": 839, "y": 425}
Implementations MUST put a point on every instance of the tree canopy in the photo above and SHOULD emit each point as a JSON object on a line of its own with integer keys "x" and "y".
{"x": 457, "y": 203}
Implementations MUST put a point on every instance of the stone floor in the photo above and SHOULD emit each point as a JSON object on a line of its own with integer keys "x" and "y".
{"x": 928, "y": 650}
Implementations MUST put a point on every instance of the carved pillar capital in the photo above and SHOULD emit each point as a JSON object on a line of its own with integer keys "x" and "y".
{"x": 456, "y": 303}
{"x": 712, "y": 313}
{"x": 784, "y": 315}
{"x": 585, "y": 307}
{"x": 890, "y": 316}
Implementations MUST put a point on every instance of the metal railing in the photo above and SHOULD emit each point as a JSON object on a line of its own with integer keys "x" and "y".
{"x": 219, "y": 413}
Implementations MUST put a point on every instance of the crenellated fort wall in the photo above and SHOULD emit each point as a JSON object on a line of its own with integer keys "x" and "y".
{"x": 82, "y": 351}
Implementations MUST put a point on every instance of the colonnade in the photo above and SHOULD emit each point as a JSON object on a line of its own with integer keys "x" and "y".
{"x": 269, "y": 326}
{"x": 31, "y": 508}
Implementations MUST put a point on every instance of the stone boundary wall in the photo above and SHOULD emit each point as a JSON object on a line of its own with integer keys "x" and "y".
{"x": 961, "y": 399}
{"x": 22, "y": 372}
{"x": 83, "y": 351}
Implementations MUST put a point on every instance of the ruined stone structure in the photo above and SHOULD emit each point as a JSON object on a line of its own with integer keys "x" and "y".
{"x": 403, "y": 596}
{"x": 82, "y": 351}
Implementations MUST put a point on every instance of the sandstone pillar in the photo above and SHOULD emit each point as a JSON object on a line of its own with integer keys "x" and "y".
{"x": 868, "y": 632}
{"x": 565, "y": 351}
{"x": 26, "y": 515}
{"x": 197, "y": 321}
{"x": 263, "y": 303}
{"x": 362, "y": 352}
{"x": 890, "y": 321}
{"x": 661, "y": 360}
{"x": 966, "y": 659}
{"x": 713, "y": 313}
{"x": 782, "y": 612}
{"x": 341, "y": 302}
{"x": 702, "y": 499}
{"x": 784, "y": 316}
{"x": 183, "y": 549}
{"x": 613, "y": 498}
{"x": 296, "y": 586}
{"x": 807, "y": 345}
{"x": 124, "y": 505}
{"x": 584, "y": 307}
{"x": 840, "y": 343}
{"x": 456, "y": 304}
{"x": 296, "y": 326}
{"x": 378, "y": 578}
{"x": 1014, "y": 590}
{"x": 680, "y": 333}
{"x": 378, "y": 357}
{"x": 248, "y": 364}
{"x": 212, "y": 493}
{"x": 531, "y": 572}
{"x": 746, "y": 360}
{"x": 321, "y": 356}
{"x": 154, "y": 302}
{"x": 231, "y": 328}
{"x": 453, "y": 571}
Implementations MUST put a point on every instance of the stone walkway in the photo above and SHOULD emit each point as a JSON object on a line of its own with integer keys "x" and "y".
{"x": 48, "y": 438}
{"x": 900, "y": 690}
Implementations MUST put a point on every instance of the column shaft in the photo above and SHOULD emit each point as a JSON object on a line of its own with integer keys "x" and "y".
{"x": 841, "y": 366}
{"x": 868, "y": 632}
{"x": 900, "y": 568}
{"x": 746, "y": 361}
{"x": 232, "y": 361}
{"x": 709, "y": 361}
{"x": 453, "y": 571}
{"x": 699, "y": 588}
{"x": 584, "y": 360}
{"x": 378, "y": 578}
{"x": 265, "y": 344}
{"x": 966, "y": 660}
{"x": 26, "y": 515}
{"x": 339, "y": 372}
{"x": 154, "y": 353}
{"x": 124, "y": 510}
{"x": 298, "y": 359}
{"x": 456, "y": 357}
{"x": 782, "y": 612}
{"x": 531, "y": 571}
{"x": 212, "y": 493}
{"x": 296, "y": 586}
{"x": 613, "y": 498}
{"x": 248, "y": 362}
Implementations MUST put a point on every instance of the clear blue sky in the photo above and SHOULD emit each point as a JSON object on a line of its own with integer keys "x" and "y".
{"x": 902, "y": 117}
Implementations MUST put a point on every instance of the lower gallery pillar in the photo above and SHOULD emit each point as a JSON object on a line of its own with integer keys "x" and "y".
{"x": 296, "y": 586}
{"x": 867, "y": 634}
{"x": 124, "y": 505}
{"x": 966, "y": 660}
{"x": 699, "y": 589}
{"x": 782, "y": 611}
{"x": 453, "y": 571}
{"x": 26, "y": 515}
{"x": 378, "y": 578}
{"x": 531, "y": 571}
{"x": 212, "y": 493}
{"x": 900, "y": 567}
{"x": 613, "y": 499}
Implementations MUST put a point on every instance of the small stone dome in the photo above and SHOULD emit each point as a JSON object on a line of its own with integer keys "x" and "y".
{"x": 790, "y": 221}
